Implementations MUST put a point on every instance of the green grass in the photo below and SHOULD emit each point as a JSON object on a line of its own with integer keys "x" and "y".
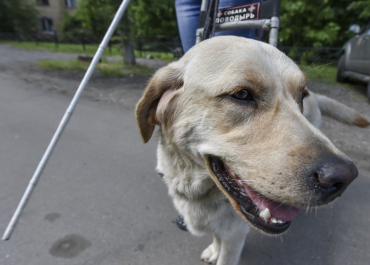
{"x": 318, "y": 73}
{"x": 321, "y": 73}
{"x": 326, "y": 74}
{"x": 90, "y": 49}
{"x": 106, "y": 68}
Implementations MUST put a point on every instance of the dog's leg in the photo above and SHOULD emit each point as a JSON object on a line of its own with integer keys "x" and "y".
{"x": 210, "y": 254}
{"x": 231, "y": 247}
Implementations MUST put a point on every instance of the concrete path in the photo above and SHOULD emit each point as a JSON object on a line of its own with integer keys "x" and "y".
{"x": 100, "y": 201}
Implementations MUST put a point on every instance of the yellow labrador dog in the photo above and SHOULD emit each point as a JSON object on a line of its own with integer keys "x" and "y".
{"x": 234, "y": 148}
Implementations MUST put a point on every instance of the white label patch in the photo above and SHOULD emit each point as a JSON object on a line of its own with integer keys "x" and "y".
{"x": 238, "y": 13}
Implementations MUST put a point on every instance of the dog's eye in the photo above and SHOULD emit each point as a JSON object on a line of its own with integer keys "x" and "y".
{"x": 242, "y": 95}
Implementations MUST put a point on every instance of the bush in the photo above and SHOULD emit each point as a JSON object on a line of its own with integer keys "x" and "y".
{"x": 17, "y": 16}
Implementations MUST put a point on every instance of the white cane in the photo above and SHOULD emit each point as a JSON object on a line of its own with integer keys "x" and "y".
{"x": 63, "y": 123}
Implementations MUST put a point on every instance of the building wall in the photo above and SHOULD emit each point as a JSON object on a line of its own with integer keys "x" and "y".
{"x": 54, "y": 11}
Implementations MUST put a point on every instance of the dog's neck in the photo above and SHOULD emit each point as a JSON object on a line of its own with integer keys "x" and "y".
{"x": 184, "y": 176}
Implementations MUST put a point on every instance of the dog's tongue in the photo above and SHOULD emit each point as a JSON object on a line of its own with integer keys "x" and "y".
{"x": 277, "y": 210}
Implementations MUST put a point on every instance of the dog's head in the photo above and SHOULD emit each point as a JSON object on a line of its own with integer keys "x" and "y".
{"x": 235, "y": 106}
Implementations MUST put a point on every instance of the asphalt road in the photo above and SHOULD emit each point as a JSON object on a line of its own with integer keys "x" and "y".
{"x": 99, "y": 201}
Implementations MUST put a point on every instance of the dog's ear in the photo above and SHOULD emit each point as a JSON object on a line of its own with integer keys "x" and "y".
{"x": 165, "y": 81}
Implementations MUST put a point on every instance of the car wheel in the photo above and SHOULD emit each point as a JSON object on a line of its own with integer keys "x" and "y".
{"x": 368, "y": 90}
{"x": 341, "y": 69}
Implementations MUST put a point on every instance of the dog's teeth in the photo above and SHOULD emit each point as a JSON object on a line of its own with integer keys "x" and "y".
{"x": 265, "y": 214}
{"x": 280, "y": 222}
{"x": 242, "y": 193}
{"x": 273, "y": 220}
{"x": 240, "y": 182}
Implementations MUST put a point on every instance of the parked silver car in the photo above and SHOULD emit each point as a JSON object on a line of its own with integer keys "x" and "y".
{"x": 355, "y": 57}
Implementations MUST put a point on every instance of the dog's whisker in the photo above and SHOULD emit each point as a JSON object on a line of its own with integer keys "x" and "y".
{"x": 311, "y": 77}
{"x": 320, "y": 66}
{"x": 314, "y": 61}
{"x": 287, "y": 235}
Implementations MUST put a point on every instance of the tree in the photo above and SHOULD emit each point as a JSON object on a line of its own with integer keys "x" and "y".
{"x": 17, "y": 16}
{"x": 151, "y": 18}
{"x": 320, "y": 22}
{"x": 146, "y": 18}
{"x": 362, "y": 8}
{"x": 124, "y": 29}
{"x": 93, "y": 17}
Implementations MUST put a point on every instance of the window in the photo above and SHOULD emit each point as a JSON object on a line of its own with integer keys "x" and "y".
{"x": 70, "y": 3}
{"x": 43, "y": 2}
{"x": 47, "y": 25}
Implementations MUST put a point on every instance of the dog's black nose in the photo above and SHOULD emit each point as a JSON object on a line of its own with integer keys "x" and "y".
{"x": 333, "y": 178}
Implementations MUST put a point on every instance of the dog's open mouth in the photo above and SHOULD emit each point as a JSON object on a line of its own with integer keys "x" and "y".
{"x": 265, "y": 214}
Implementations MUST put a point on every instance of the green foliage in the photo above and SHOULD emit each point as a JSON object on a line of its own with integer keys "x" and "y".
{"x": 151, "y": 18}
{"x": 17, "y": 16}
{"x": 320, "y": 23}
{"x": 362, "y": 8}
{"x": 95, "y": 15}
{"x": 90, "y": 17}
{"x": 144, "y": 17}
{"x": 71, "y": 25}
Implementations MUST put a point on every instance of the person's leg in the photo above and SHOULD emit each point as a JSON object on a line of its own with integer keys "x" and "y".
{"x": 187, "y": 12}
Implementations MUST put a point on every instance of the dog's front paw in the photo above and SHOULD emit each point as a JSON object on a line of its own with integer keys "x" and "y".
{"x": 210, "y": 254}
